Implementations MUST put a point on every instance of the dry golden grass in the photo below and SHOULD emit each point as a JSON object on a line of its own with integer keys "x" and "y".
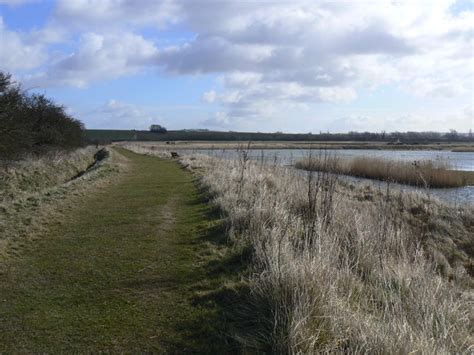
{"x": 418, "y": 173}
{"x": 32, "y": 175}
{"x": 339, "y": 269}
{"x": 464, "y": 149}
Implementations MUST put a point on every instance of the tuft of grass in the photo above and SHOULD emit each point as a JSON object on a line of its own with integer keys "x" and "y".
{"x": 434, "y": 174}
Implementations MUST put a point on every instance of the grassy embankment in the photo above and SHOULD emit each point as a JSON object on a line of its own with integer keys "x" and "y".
{"x": 31, "y": 175}
{"x": 422, "y": 173}
{"x": 337, "y": 268}
{"x": 33, "y": 191}
{"x": 121, "y": 271}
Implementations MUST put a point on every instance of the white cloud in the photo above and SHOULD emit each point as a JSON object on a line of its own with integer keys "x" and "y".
{"x": 18, "y": 52}
{"x": 273, "y": 57}
{"x": 419, "y": 44}
{"x": 306, "y": 51}
{"x": 469, "y": 114}
{"x": 219, "y": 121}
{"x": 99, "y": 57}
{"x": 209, "y": 96}
{"x": 120, "y": 115}
{"x": 16, "y": 2}
{"x": 116, "y": 13}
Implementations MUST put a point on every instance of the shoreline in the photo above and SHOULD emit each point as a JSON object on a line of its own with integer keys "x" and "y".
{"x": 275, "y": 145}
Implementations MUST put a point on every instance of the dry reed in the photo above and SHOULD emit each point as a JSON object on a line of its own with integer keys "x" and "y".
{"x": 417, "y": 173}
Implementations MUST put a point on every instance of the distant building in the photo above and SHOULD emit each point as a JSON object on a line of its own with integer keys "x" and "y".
{"x": 157, "y": 128}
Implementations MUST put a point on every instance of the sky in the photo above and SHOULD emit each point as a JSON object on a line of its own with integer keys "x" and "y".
{"x": 248, "y": 65}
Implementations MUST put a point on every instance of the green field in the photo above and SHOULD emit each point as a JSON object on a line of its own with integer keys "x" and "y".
{"x": 189, "y": 135}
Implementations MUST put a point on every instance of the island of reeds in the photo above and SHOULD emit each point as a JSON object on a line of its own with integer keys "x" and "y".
{"x": 422, "y": 173}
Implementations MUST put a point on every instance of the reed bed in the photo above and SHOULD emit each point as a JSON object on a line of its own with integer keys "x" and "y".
{"x": 463, "y": 149}
{"x": 434, "y": 174}
{"x": 333, "y": 270}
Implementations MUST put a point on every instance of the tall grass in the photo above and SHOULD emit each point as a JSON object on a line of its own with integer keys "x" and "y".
{"x": 418, "y": 173}
{"x": 333, "y": 271}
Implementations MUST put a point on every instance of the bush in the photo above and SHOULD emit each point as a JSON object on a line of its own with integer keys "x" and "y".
{"x": 33, "y": 123}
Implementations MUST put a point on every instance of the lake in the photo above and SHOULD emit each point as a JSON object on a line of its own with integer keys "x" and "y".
{"x": 458, "y": 161}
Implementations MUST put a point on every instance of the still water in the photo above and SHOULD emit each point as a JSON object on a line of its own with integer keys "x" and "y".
{"x": 458, "y": 161}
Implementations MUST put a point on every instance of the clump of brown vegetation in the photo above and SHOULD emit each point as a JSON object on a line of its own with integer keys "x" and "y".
{"x": 341, "y": 269}
{"x": 464, "y": 149}
{"x": 418, "y": 173}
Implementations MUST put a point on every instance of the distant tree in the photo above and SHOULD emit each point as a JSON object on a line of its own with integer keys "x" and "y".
{"x": 158, "y": 128}
{"x": 5, "y": 81}
{"x": 452, "y": 135}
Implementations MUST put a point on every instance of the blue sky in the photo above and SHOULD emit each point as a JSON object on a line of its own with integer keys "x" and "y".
{"x": 295, "y": 66}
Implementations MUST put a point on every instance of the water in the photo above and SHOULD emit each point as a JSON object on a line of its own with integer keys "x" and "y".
{"x": 458, "y": 161}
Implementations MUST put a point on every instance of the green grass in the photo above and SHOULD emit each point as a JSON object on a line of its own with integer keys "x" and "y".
{"x": 121, "y": 272}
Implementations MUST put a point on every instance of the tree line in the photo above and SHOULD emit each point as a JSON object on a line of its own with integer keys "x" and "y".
{"x": 393, "y": 138}
{"x": 33, "y": 123}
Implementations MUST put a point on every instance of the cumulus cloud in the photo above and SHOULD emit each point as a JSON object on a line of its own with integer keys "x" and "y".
{"x": 219, "y": 121}
{"x": 18, "y": 51}
{"x": 15, "y": 2}
{"x": 309, "y": 52}
{"x": 116, "y": 13}
{"x": 120, "y": 115}
{"x": 271, "y": 56}
{"x": 99, "y": 57}
{"x": 209, "y": 96}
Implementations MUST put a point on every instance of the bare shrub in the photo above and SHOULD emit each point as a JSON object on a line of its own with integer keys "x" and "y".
{"x": 33, "y": 124}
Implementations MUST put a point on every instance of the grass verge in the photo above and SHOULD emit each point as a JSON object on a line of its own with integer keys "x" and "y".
{"x": 130, "y": 268}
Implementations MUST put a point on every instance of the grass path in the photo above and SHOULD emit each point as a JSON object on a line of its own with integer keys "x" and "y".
{"x": 119, "y": 273}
